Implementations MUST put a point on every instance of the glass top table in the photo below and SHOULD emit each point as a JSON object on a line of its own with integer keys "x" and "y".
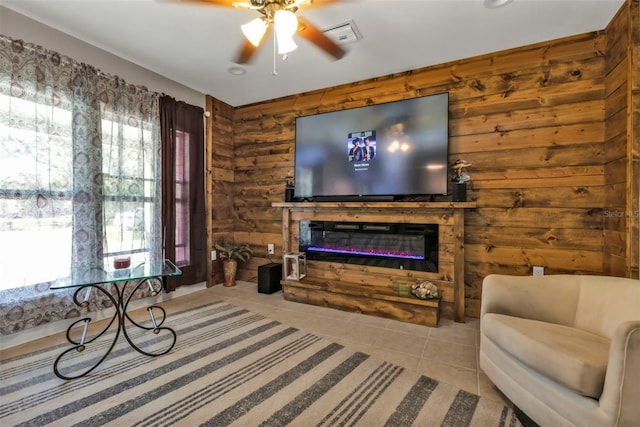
{"x": 118, "y": 286}
{"x": 86, "y": 276}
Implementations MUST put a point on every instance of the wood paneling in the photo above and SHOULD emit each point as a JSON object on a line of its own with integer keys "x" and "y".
{"x": 622, "y": 112}
{"x": 552, "y": 132}
{"x": 365, "y": 298}
{"x": 449, "y": 278}
{"x": 633, "y": 149}
{"x": 219, "y": 180}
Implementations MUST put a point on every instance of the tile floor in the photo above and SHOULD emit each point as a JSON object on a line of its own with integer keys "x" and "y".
{"x": 448, "y": 353}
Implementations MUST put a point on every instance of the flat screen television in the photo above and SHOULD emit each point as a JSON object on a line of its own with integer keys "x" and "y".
{"x": 385, "y": 150}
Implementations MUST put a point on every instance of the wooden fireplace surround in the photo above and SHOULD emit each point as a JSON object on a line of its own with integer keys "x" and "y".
{"x": 367, "y": 289}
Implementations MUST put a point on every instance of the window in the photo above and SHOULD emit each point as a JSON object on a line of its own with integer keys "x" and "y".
{"x": 183, "y": 210}
{"x": 129, "y": 185}
{"x": 35, "y": 187}
{"x": 79, "y": 178}
{"x": 78, "y": 185}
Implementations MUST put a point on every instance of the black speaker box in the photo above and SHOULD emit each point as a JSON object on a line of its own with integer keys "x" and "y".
{"x": 269, "y": 276}
{"x": 459, "y": 192}
{"x": 288, "y": 194}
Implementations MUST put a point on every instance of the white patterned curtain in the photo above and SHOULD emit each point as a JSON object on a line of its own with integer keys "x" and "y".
{"x": 79, "y": 178}
{"x": 131, "y": 171}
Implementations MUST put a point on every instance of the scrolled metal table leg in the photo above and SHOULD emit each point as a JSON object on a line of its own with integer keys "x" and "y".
{"x": 81, "y": 345}
{"x": 121, "y": 316}
{"x": 156, "y": 322}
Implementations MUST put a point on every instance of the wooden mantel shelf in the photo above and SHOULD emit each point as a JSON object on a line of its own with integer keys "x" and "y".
{"x": 450, "y": 277}
{"x": 389, "y": 205}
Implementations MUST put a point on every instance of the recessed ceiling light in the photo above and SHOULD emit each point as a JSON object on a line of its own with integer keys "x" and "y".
{"x": 494, "y": 4}
{"x": 237, "y": 71}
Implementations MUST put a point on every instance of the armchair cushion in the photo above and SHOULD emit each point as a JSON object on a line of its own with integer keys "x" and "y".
{"x": 574, "y": 358}
{"x": 545, "y": 341}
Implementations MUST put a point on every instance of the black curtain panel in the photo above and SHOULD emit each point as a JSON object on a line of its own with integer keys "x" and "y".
{"x": 183, "y": 198}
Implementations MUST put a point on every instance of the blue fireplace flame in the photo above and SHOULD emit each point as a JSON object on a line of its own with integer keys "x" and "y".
{"x": 364, "y": 253}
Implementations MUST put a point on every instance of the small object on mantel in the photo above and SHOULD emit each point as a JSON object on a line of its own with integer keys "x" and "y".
{"x": 121, "y": 262}
{"x": 459, "y": 171}
{"x": 459, "y": 192}
{"x": 460, "y": 176}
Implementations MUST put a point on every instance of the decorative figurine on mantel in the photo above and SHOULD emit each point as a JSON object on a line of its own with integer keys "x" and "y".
{"x": 288, "y": 189}
{"x": 289, "y": 181}
{"x": 459, "y": 169}
{"x": 460, "y": 176}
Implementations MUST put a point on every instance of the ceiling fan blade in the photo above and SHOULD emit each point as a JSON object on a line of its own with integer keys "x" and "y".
{"x": 246, "y": 52}
{"x": 314, "y": 3}
{"x": 248, "y": 49}
{"x": 225, "y": 3}
{"x": 317, "y": 37}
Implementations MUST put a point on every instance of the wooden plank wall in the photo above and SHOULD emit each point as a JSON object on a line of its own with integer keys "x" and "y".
{"x": 219, "y": 180}
{"x": 633, "y": 150}
{"x": 621, "y": 161}
{"x": 544, "y": 126}
{"x": 616, "y": 70}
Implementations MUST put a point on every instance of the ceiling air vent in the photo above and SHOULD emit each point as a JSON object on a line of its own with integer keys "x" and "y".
{"x": 346, "y": 32}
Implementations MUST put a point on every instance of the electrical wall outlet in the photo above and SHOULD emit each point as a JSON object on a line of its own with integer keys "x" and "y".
{"x": 213, "y": 255}
{"x": 538, "y": 271}
{"x": 270, "y": 249}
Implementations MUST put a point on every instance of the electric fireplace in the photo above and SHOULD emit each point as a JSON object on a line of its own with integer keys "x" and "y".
{"x": 391, "y": 245}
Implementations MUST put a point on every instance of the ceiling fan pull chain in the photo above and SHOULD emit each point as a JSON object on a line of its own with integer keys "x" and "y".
{"x": 274, "y": 72}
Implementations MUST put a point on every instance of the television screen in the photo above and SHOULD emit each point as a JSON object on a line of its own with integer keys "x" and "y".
{"x": 393, "y": 149}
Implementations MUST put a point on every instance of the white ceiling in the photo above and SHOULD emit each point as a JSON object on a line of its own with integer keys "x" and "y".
{"x": 195, "y": 44}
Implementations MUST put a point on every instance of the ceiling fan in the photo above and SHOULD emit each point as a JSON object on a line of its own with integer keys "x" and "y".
{"x": 281, "y": 16}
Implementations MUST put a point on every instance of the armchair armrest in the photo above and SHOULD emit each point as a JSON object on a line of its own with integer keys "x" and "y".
{"x": 621, "y": 392}
{"x": 551, "y": 298}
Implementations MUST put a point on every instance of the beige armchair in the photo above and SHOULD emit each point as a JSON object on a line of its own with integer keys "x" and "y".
{"x": 565, "y": 349}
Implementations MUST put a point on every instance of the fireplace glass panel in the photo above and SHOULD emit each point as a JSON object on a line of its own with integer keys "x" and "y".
{"x": 404, "y": 246}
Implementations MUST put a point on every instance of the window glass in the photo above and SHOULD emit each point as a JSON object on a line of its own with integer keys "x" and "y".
{"x": 35, "y": 189}
{"x": 128, "y": 185}
{"x": 183, "y": 215}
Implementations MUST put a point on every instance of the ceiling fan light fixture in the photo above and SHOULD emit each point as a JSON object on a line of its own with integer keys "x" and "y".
{"x": 286, "y": 45}
{"x": 254, "y": 31}
{"x": 242, "y": 3}
{"x": 286, "y": 24}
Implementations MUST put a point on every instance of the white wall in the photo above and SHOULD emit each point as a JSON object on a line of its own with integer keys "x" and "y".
{"x": 18, "y": 26}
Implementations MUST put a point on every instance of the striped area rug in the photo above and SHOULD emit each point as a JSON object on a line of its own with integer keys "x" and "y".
{"x": 233, "y": 367}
